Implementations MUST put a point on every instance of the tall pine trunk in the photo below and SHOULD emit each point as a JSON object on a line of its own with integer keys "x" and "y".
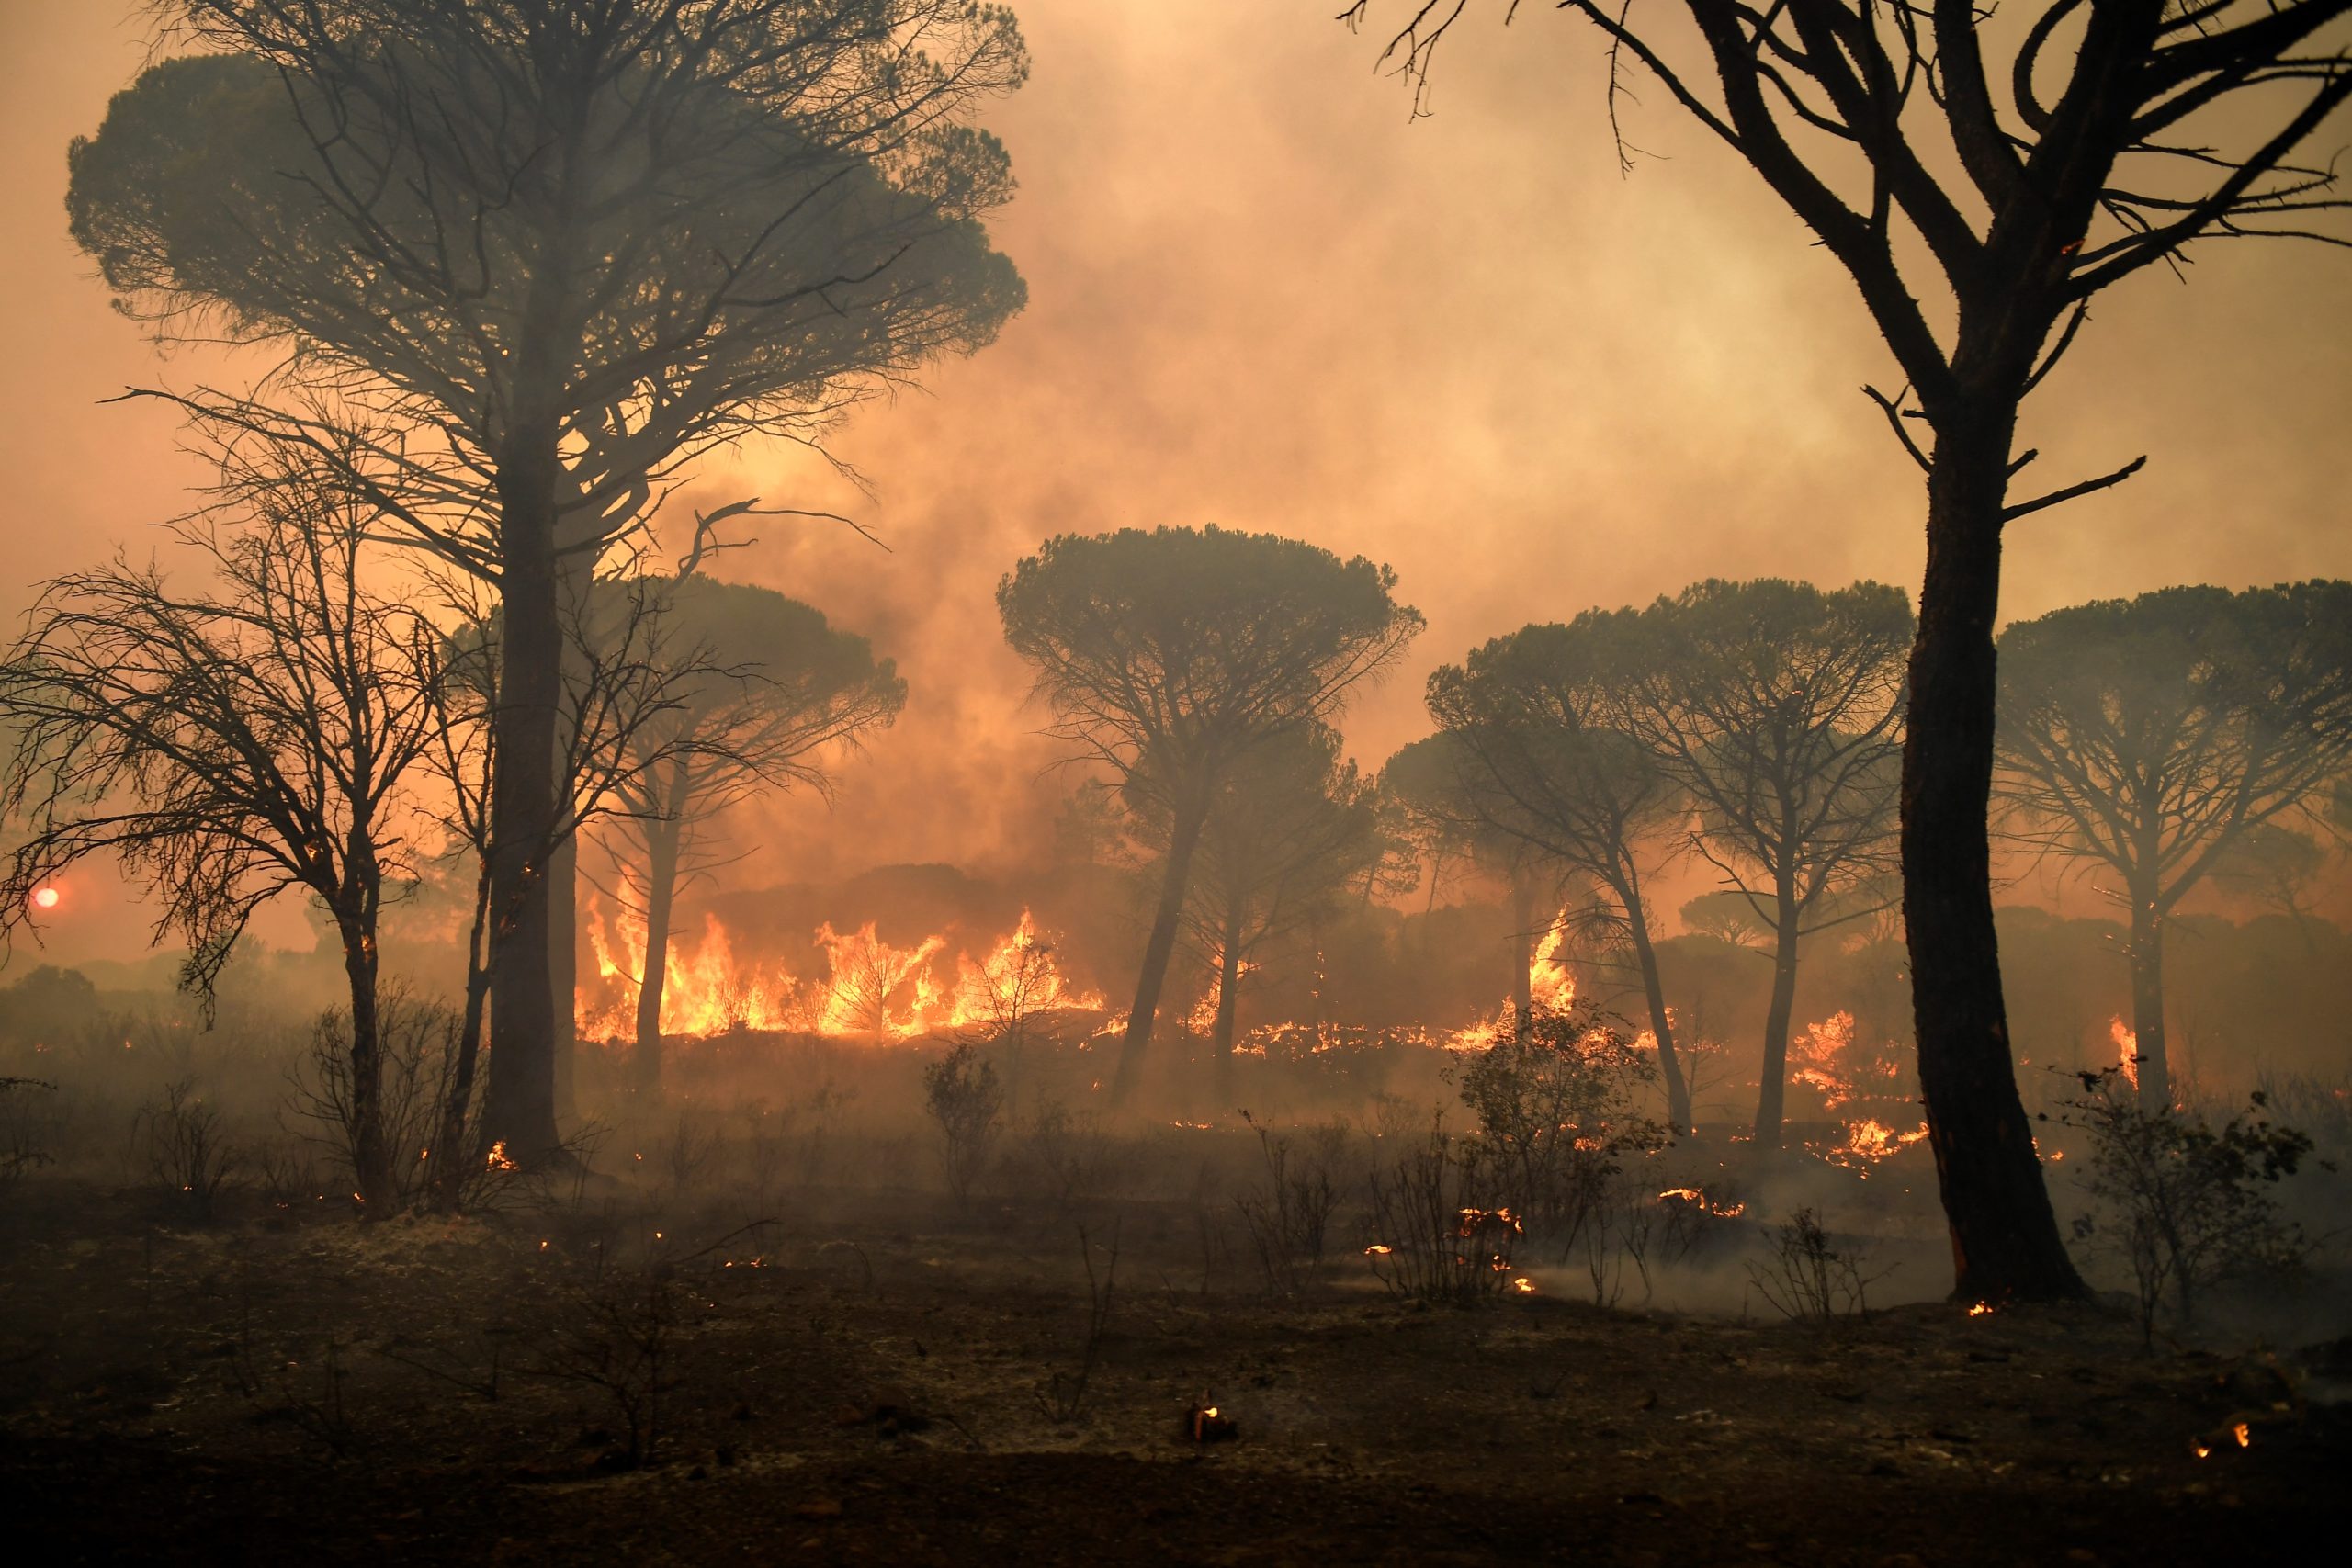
{"x": 458, "y": 1152}
{"x": 1669, "y": 1063}
{"x": 371, "y": 1163}
{"x": 2004, "y": 1235}
{"x": 1522, "y": 952}
{"x": 1772, "y": 1090}
{"x": 518, "y": 1106}
{"x": 2148, "y": 1002}
{"x": 1229, "y": 983}
{"x": 661, "y": 896}
{"x": 1183, "y": 838}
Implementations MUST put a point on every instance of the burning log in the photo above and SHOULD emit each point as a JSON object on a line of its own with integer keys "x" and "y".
{"x": 1205, "y": 1423}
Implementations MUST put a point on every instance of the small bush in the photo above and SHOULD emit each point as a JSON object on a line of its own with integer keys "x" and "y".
{"x": 1809, "y": 1275}
{"x": 964, "y": 1097}
{"x": 2186, "y": 1204}
{"x": 179, "y": 1139}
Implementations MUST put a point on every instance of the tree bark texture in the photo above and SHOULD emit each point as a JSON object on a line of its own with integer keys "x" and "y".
{"x": 1772, "y": 1084}
{"x": 2005, "y": 1237}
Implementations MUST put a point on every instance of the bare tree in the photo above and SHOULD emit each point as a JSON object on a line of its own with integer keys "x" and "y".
{"x": 1778, "y": 708}
{"x": 2155, "y": 736}
{"x": 1538, "y": 725}
{"x": 2173, "y": 122}
{"x": 626, "y": 679}
{"x": 227, "y": 749}
{"x": 555, "y": 252}
{"x": 1169, "y": 656}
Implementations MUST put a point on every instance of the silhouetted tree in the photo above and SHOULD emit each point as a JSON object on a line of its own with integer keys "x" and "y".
{"x": 1977, "y": 223}
{"x": 1173, "y": 654}
{"x": 554, "y": 252}
{"x": 1779, "y": 708}
{"x": 784, "y": 685}
{"x": 226, "y": 748}
{"x": 1290, "y": 828}
{"x": 2154, "y": 736}
{"x": 1540, "y": 718}
{"x": 1431, "y": 780}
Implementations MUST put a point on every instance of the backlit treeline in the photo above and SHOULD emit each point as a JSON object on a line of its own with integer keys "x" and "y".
{"x": 519, "y": 265}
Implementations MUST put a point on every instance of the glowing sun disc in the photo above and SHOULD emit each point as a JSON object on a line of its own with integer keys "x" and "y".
{"x": 46, "y": 897}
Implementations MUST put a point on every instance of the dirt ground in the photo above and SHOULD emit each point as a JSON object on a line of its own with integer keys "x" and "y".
{"x": 867, "y": 1388}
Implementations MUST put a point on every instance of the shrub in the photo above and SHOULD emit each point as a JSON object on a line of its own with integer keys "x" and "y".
{"x": 964, "y": 1097}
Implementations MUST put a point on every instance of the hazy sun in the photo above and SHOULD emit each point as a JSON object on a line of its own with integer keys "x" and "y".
{"x": 46, "y": 897}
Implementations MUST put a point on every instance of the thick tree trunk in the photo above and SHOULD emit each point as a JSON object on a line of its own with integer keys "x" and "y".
{"x": 371, "y": 1163}
{"x": 1229, "y": 983}
{"x": 1669, "y": 1065}
{"x": 1522, "y": 952}
{"x": 1158, "y": 949}
{"x": 2148, "y": 1002}
{"x": 563, "y": 959}
{"x": 661, "y": 894}
{"x": 2005, "y": 1238}
{"x": 1772, "y": 1084}
{"x": 519, "y": 1103}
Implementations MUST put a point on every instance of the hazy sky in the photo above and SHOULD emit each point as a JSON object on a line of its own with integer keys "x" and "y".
{"x": 1261, "y": 297}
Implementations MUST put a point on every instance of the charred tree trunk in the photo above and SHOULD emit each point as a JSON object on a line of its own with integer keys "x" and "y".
{"x": 2148, "y": 1002}
{"x": 1183, "y": 838}
{"x": 662, "y": 838}
{"x": 371, "y": 1163}
{"x": 519, "y": 1104}
{"x": 1669, "y": 1065}
{"x": 1229, "y": 982}
{"x": 1522, "y": 950}
{"x": 575, "y": 580}
{"x": 1771, "y": 1095}
{"x": 2005, "y": 1238}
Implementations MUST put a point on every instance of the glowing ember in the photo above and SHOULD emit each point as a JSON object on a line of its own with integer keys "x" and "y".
{"x": 2244, "y": 1434}
{"x": 1376, "y": 1250}
{"x": 1523, "y": 1285}
{"x": 496, "y": 1160}
{"x": 46, "y": 897}
{"x": 2127, "y": 1049}
{"x": 1982, "y": 1309}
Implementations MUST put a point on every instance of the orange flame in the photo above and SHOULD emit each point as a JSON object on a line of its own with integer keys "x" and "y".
{"x": 2127, "y": 1049}
{"x": 869, "y": 988}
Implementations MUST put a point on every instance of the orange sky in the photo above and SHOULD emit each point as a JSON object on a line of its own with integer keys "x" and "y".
{"x": 1261, "y": 297}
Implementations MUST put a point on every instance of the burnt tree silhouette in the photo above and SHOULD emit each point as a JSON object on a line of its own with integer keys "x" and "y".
{"x": 1777, "y": 707}
{"x": 2155, "y": 736}
{"x": 1291, "y": 827}
{"x": 783, "y": 686}
{"x": 1538, "y": 720}
{"x": 1176, "y": 652}
{"x": 225, "y": 749}
{"x": 1980, "y": 182}
{"x": 554, "y": 252}
{"x": 1431, "y": 781}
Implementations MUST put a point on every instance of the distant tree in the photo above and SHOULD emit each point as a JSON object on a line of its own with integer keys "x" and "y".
{"x": 784, "y": 685}
{"x": 1981, "y": 177}
{"x": 553, "y": 252}
{"x": 1431, "y": 781}
{"x": 1777, "y": 707}
{"x": 1169, "y": 656}
{"x": 227, "y": 749}
{"x": 2155, "y": 736}
{"x": 1540, "y": 718}
{"x": 1292, "y": 828}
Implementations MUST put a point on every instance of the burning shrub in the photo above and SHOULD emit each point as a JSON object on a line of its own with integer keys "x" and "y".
{"x": 2186, "y": 1204}
{"x": 1444, "y": 1232}
{"x": 964, "y": 1097}
{"x": 1560, "y": 1109}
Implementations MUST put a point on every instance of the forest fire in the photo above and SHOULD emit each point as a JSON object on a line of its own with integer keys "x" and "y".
{"x": 864, "y": 988}
{"x": 2127, "y": 1049}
